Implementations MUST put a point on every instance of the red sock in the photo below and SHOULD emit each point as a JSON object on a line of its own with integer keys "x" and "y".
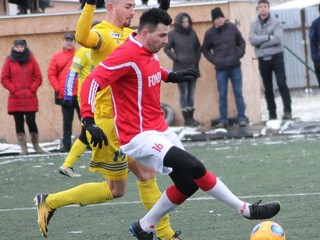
{"x": 175, "y": 196}
{"x": 207, "y": 181}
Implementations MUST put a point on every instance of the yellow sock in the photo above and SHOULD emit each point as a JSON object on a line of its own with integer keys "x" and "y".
{"x": 84, "y": 194}
{"x": 75, "y": 152}
{"x": 149, "y": 194}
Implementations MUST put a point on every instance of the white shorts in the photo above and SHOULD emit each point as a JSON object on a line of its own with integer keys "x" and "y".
{"x": 150, "y": 147}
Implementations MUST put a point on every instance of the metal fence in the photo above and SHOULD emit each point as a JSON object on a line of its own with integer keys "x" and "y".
{"x": 296, "y": 25}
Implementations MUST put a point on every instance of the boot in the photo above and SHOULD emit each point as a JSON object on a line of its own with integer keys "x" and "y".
{"x": 35, "y": 143}
{"x": 187, "y": 118}
{"x": 23, "y": 143}
{"x": 272, "y": 116}
{"x": 194, "y": 122}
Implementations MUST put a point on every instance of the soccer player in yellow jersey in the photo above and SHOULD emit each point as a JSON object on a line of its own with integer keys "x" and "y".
{"x": 81, "y": 66}
{"x": 106, "y": 159}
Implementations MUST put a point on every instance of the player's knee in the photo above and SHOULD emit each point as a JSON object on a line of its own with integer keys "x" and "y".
{"x": 143, "y": 173}
{"x": 117, "y": 188}
{"x": 197, "y": 169}
{"x": 145, "y": 176}
{"x": 117, "y": 193}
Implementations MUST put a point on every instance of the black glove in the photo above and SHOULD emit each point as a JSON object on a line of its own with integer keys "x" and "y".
{"x": 182, "y": 76}
{"x": 91, "y": 2}
{"x": 67, "y": 103}
{"x": 97, "y": 135}
{"x": 164, "y": 4}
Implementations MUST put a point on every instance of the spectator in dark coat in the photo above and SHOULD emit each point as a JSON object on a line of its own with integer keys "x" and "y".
{"x": 223, "y": 46}
{"x": 315, "y": 45}
{"x": 185, "y": 50}
{"x": 21, "y": 76}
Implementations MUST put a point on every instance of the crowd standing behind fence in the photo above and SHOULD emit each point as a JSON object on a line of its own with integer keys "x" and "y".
{"x": 22, "y": 77}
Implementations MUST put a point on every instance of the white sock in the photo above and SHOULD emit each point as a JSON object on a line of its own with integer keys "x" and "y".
{"x": 222, "y": 193}
{"x": 161, "y": 208}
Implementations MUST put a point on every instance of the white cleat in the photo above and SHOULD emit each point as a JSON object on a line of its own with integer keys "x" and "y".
{"x": 68, "y": 172}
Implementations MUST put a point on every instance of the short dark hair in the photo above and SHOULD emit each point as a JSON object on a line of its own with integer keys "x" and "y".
{"x": 264, "y": 2}
{"x": 152, "y": 17}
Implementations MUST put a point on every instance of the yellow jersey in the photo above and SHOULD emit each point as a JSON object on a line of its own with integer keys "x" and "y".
{"x": 83, "y": 65}
{"x": 103, "y": 38}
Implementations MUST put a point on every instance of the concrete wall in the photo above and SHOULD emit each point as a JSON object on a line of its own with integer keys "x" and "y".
{"x": 44, "y": 36}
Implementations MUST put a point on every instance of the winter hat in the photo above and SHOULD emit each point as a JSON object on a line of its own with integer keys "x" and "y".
{"x": 69, "y": 36}
{"x": 216, "y": 13}
{"x": 20, "y": 42}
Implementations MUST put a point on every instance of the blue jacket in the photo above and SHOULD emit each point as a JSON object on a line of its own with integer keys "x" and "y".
{"x": 315, "y": 40}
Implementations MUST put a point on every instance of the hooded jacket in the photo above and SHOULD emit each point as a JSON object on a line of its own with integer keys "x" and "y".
{"x": 183, "y": 45}
{"x": 224, "y": 46}
{"x": 22, "y": 80}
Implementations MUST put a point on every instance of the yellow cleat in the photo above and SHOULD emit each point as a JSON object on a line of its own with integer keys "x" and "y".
{"x": 44, "y": 213}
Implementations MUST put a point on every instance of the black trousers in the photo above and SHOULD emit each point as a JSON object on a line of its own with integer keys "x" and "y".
{"x": 267, "y": 68}
{"x": 67, "y": 115}
{"x": 185, "y": 169}
{"x": 30, "y": 120}
{"x": 317, "y": 71}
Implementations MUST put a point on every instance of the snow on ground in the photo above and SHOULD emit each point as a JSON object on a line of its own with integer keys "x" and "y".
{"x": 305, "y": 108}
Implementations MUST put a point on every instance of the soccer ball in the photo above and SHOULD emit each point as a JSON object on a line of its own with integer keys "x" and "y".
{"x": 268, "y": 230}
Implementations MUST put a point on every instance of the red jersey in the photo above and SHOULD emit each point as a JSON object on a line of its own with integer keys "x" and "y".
{"x": 134, "y": 75}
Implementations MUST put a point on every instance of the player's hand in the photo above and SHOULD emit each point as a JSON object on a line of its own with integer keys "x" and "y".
{"x": 164, "y": 4}
{"x": 91, "y": 2}
{"x": 182, "y": 76}
{"x": 67, "y": 103}
{"x": 97, "y": 135}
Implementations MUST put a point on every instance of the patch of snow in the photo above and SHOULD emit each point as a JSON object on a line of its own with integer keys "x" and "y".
{"x": 305, "y": 108}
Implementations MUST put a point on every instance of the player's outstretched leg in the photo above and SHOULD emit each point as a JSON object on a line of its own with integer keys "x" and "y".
{"x": 84, "y": 194}
{"x": 44, "y": 213}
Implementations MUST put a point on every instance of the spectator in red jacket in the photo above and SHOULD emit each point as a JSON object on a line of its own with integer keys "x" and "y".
{"x": 22, "y": 77}
{"x": 57, "y": 74}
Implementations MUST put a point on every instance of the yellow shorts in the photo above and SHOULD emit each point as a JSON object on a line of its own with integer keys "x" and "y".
{"x": 109, "y": 160}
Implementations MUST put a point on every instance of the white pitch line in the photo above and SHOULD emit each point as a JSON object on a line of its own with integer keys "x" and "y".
{"x": 33, "y": 157}
{"x": 190, "y": 199}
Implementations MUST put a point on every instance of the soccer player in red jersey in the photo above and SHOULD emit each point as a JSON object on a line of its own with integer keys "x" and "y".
{"x": 134, "y": 74}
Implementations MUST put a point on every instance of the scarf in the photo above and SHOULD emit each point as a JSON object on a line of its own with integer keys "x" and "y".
{"x": 21, "y": 57}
